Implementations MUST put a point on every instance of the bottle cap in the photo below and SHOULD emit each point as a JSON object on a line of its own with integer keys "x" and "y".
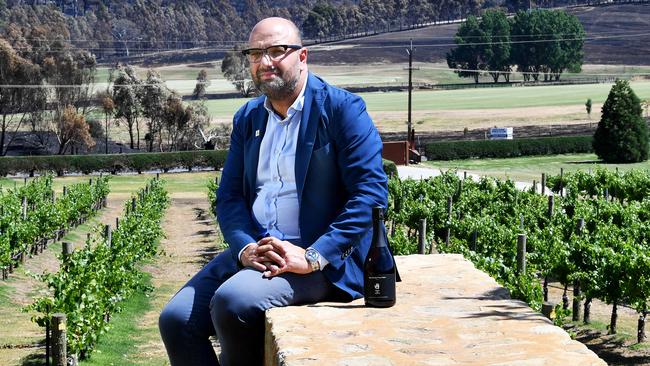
{"x": 377, "y": 213}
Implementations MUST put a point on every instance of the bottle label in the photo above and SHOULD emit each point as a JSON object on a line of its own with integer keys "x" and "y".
{"x": 380, "y": 287}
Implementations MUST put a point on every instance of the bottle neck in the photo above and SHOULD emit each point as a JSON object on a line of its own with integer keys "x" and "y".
{"x": 378, "y": 233}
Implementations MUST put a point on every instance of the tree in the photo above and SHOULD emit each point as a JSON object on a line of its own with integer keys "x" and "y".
{"x": 200, "y": 122}
{"x": 202, "y": 83}
{"x": 622, "y": 133}
{"x": 71, "y": 129}
{"x": 108, "y": 107}
{"x": 176, "y": 120}
{"x": 19, "y": 93}
{"x": 125, "y": 32}
{"x": 154, "y": 96}
{"x": 549, "y": 42}
{"x": 71, "y": 75}
{"x": 517, "y": 5}
{"x": 588, "y": 107}
{"x": 568, "y": 38}
{"x": 469, "y": 57}
{"x": 126, "y": 96}
{"x": 496, "y": 27}
{"x": 235, "y": 69}
{"x": 525, "y": 54}
{"x": 321, "y": 21}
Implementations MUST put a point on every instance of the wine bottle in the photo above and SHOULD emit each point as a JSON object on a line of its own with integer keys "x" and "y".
{"x": 379, "y": 268}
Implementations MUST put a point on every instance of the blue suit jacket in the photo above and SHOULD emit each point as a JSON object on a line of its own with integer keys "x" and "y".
{"x": 339, "y": 177}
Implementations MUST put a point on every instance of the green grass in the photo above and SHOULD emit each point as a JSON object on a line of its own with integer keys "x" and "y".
{"x": 498, "y": 98}
{"x": 119, "y": 345}
{"x": 625, "y": 332}
{"x": 527, "y": 169}
{"x": 130, "y": 183}
{"x": 482, "y": 98}
{"x": 640, "y": 346}
{"x": 4, "y": 296}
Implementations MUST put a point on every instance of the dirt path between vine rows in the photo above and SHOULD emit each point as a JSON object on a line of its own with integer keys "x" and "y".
{"x": 191, "y": 241}
{"x": 21, "y": 340}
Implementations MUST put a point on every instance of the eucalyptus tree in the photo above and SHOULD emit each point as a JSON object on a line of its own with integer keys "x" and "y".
{"x": 21, "y": 93}
{"x": 235, "y": 69}
{"x": 154, "y": 96}
{"x": 202, "y": 83}
{"x": 126, "y": 96}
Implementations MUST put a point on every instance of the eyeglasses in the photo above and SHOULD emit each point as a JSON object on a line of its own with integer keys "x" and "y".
{"x": 274, "y": 52}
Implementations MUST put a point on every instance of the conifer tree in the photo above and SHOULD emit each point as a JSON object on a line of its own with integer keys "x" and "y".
{"x": 622, "y": 133}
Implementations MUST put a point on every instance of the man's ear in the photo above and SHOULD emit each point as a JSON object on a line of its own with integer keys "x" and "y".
{"x": 303, "y": 58}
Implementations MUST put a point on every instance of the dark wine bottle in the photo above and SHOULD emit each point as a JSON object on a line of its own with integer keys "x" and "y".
{"x": 379, "y": 268}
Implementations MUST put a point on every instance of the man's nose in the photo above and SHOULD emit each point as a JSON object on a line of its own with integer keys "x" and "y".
{"x": 266, "y": 59}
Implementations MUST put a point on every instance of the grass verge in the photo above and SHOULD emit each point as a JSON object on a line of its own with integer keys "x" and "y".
{"x": 186, "y": 182}
{"x": 527, "y": 169}
{"x": 119, "y": 345}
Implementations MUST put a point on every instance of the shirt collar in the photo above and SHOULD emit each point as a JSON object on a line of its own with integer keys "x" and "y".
{"x": 296, "y": 106}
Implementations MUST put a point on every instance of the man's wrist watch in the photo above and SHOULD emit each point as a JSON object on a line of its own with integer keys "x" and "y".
{"x": 312, "y": 256}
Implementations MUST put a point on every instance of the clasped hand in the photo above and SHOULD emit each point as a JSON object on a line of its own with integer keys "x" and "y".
{"x": 273, "y": 256}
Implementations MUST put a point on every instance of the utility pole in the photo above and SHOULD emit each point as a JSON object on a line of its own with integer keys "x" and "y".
{"x": 410, "y": 51}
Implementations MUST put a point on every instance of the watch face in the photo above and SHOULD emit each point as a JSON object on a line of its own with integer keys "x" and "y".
{"x": 311, "y": 255}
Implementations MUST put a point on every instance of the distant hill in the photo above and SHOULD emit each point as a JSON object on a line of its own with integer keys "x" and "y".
{"x": 155, "y": 31}
{"x": 616, "y": 34}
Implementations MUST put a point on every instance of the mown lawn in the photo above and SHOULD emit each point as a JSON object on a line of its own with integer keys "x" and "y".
{"x": 481, "y": 98}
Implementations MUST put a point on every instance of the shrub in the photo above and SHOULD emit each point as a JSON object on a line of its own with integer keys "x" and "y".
{"x": 114, "y": 163}
{"x": 622, "y": 134}
{"x": 389, "y": 168}
{"x": 452, "y": 150}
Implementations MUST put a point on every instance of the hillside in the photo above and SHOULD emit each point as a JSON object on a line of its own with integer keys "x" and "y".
{"x": 433, "y": 42}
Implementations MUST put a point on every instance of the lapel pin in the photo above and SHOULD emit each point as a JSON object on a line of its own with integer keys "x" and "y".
{"x": 257, "y": 133}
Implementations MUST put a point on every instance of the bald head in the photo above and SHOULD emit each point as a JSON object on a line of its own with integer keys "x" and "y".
{"x": 276, "y": 31}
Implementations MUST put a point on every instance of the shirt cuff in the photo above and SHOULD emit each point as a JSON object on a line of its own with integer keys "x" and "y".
{"x": 322, "y": 262}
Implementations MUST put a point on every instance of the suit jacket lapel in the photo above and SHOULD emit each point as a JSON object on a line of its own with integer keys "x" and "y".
{"x": 257, "y": 133}
{"x": 311, "y": 113}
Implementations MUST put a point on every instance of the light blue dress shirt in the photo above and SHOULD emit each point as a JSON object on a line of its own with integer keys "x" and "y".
{"x": 276, "y": 205}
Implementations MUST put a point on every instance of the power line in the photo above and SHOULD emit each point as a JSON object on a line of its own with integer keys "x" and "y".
{"x": 243, "y": 41}
{"x": 317, "y": 48}
{"x": 536, "y": 73}
{"x": 593, "y": 36}
{"x": 103, "y": 84}
{"x": 585, "y": 39}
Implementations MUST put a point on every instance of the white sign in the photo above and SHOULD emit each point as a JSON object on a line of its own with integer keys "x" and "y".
{"x": 501, "y": 133}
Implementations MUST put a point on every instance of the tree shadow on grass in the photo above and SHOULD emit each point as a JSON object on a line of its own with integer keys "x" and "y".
{"x": 586, "y": 162}
{"x": 35, "y": 359}
{"x": 610, "y": 348}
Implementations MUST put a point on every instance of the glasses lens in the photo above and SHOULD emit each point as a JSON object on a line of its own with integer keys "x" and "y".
{"x": 254, "y": 55}
{"x": 276, "y": 52}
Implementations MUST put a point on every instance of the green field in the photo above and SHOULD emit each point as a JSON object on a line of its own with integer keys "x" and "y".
{"x": 432, "y": 110}
{"x": 527, "y": 169}
{"x": 182, "y": 78}
{"x": 464, "y": 99}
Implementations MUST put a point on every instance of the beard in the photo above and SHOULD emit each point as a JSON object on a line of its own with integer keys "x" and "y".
{"x": 280, "y": 87}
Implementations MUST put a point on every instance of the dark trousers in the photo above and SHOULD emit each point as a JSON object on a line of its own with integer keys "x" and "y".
{"x": 229, "y": 301}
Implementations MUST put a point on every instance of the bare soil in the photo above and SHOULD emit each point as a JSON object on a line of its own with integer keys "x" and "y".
{"x": 190, "y": 243}
{"x": 438, "y": 120}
